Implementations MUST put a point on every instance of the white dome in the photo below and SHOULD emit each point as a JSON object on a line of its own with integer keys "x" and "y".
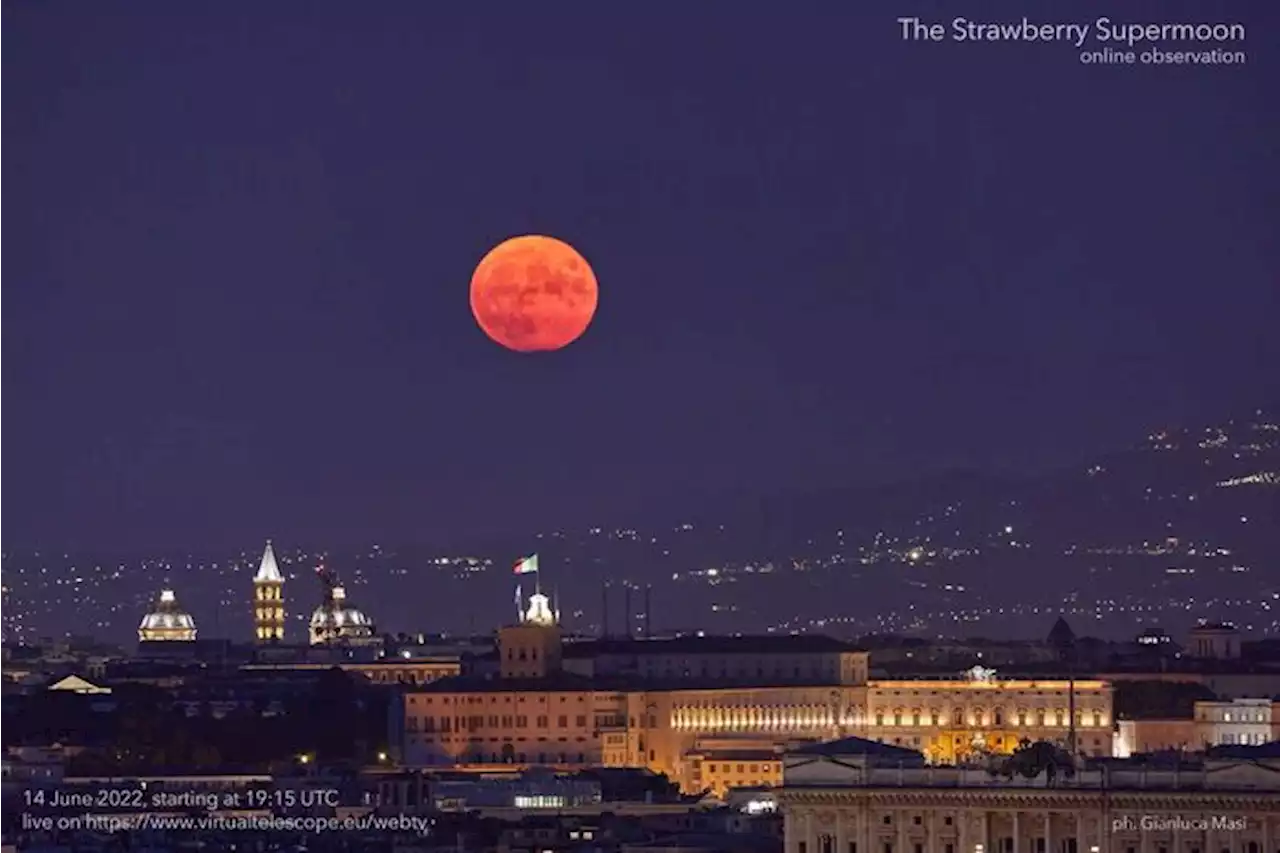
{"x": 339, "y": 621}
{"x": 168, "y": 621}
{"x": 336, "y": 618}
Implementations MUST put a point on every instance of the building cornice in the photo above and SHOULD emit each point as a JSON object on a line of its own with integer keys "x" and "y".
{"x": 1057, "y": 799}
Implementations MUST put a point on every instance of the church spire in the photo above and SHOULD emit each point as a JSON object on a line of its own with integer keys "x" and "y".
{"x": 268, "y": 571}
{"x": 268, "y": 599}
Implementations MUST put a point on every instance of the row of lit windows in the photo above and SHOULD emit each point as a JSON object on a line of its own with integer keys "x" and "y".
{"x": 774, "y": 768}
{"x": 1246, "y": 738}
{"x": 979, "y": 717}
{"x": 788, "y": 718}
{"x": 478, "y": 722}
{"x": 491, "y": 698}
{"x": 471, "y": 739}
{"x": 1256, "y": 716}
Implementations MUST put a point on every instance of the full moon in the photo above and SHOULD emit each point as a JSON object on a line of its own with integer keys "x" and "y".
{"x": 533, "y": 294}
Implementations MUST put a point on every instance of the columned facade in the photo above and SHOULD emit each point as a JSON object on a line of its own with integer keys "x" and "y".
{"x": 1030, "y": 821}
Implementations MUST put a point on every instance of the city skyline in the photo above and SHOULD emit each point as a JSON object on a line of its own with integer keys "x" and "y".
{"x": 1174, "y": 528}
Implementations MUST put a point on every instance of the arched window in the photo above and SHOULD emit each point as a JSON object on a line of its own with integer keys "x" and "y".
{"x": 957, "y": 717}
{"x": 998, "y": 716}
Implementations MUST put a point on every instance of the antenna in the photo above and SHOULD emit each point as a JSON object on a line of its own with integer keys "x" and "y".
{"x": 626, "y": 608}
{"x": 604, "y": 610}
{"x": 1071, "y": 706}
{"x": 648, "y": 606}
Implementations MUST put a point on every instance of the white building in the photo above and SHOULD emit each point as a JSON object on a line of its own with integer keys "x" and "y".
{"x": 1247, "y": 722}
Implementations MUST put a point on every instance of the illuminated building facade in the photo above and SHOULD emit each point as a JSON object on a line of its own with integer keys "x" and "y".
{"x": 663, "y": 713}
{"x": 167, "y": 622}
{"x": 718, "y": 768}
{"x": 268, "y": 600}
{"x": 1135, "y": 737}
{"x": 955, "y": 721}
{"x": 1237, "y": 722}
{"x": 850, "y": 796}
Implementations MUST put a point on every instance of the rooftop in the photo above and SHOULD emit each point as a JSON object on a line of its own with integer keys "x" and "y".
{"x": 739, "y": 754}
{"x": 569, "y": 681}
{"x": 766, "y": 644}
{"x": 858, "y": 746}
{"x": 1252, "y": 770}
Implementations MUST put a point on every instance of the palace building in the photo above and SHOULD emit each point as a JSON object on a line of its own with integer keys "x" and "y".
{"x": 856, "y": 795}
{"x": 696, "y": 708}
{"x": 954, "y": 721}
{"x": 167, "y": 622}
{"x": 268, "y": 600}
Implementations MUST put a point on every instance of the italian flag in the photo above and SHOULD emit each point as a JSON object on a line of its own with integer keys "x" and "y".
{"x": 527, "y": 565}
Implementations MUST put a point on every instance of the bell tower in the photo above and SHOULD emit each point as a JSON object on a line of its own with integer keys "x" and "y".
{"x": 268, "y": 599}
{"x": 531, "y": 649}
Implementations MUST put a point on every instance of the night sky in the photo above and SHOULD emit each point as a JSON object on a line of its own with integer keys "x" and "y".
{"x": 238, "y": 238}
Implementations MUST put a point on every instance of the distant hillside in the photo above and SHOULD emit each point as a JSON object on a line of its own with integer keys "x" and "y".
{"x": 1184, "y": 523}
{"x": 1194, "y": 484}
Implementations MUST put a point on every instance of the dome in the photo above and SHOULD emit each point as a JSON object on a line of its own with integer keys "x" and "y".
{"x": 167, "y": 621}
{"x": 338, "y": 620}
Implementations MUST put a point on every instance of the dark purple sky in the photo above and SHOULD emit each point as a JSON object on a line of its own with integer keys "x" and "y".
{"x": 238, "y": 238}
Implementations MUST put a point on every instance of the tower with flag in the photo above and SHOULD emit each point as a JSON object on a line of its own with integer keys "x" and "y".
{"x": 530, "y": 647}
{"x": 525, "y": 566}
{"x": 540, "y": 610}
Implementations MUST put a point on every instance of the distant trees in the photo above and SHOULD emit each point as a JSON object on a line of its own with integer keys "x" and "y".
{"x": 342, "y": 719}
{"x": 1029, "y": 760}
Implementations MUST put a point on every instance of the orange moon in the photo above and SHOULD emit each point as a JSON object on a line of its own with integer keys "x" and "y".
{"x": 533, "y": 294}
